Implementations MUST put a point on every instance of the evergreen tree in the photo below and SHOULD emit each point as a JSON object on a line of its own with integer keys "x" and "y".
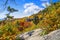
{"x": 10, "y": 10}
{"x": 36, "y": 20}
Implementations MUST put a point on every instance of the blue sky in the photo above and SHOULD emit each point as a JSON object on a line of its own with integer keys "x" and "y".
{"x": 25, "y": 7}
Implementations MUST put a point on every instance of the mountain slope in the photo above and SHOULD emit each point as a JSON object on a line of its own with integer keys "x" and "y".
{"x": 48, "y": 20}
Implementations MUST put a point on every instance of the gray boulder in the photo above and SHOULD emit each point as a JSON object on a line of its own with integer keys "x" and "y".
{"x": 54, "y": 35}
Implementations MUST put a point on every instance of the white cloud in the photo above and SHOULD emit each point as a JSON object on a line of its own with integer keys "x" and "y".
{"x": 31, "y": 8}
{"x": 45, "y": 4}
{"x": 28, "y": 5}
{"x": 3, "y": 15}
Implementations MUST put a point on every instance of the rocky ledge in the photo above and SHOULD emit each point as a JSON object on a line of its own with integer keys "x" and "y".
{"x": 35, "y": 35}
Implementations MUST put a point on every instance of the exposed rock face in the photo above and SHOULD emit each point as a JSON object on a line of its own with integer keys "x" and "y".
{"x": 30, "y": 34}
{"x": 35, "y": 35}
{"x": 55, "y": 35}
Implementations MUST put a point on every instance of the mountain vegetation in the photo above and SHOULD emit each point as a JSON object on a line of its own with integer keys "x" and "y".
{"x": 48, "y": 20}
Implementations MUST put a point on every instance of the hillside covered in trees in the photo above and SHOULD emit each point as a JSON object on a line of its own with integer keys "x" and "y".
{"x": 47, "y": 19}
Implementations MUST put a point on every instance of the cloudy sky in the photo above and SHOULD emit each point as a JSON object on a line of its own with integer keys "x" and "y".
{"x": 25, "y": 7}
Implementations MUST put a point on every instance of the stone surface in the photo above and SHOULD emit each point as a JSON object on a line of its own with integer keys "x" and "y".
{"x": 55, "y": 35}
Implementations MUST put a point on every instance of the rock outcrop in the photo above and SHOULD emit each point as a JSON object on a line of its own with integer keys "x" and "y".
{"x": 35, "y": 35}
{"x": 55, "y": 35}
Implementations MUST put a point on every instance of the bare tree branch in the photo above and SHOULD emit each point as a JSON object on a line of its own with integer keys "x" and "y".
{"x": 6, "y": 2}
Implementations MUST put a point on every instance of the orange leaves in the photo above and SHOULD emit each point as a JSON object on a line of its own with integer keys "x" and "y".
{"x": 48, "y": 20}
{"x": 25, "y": 24}
{"x": 20, "y": 28}
{"x": 21, "y": 23}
